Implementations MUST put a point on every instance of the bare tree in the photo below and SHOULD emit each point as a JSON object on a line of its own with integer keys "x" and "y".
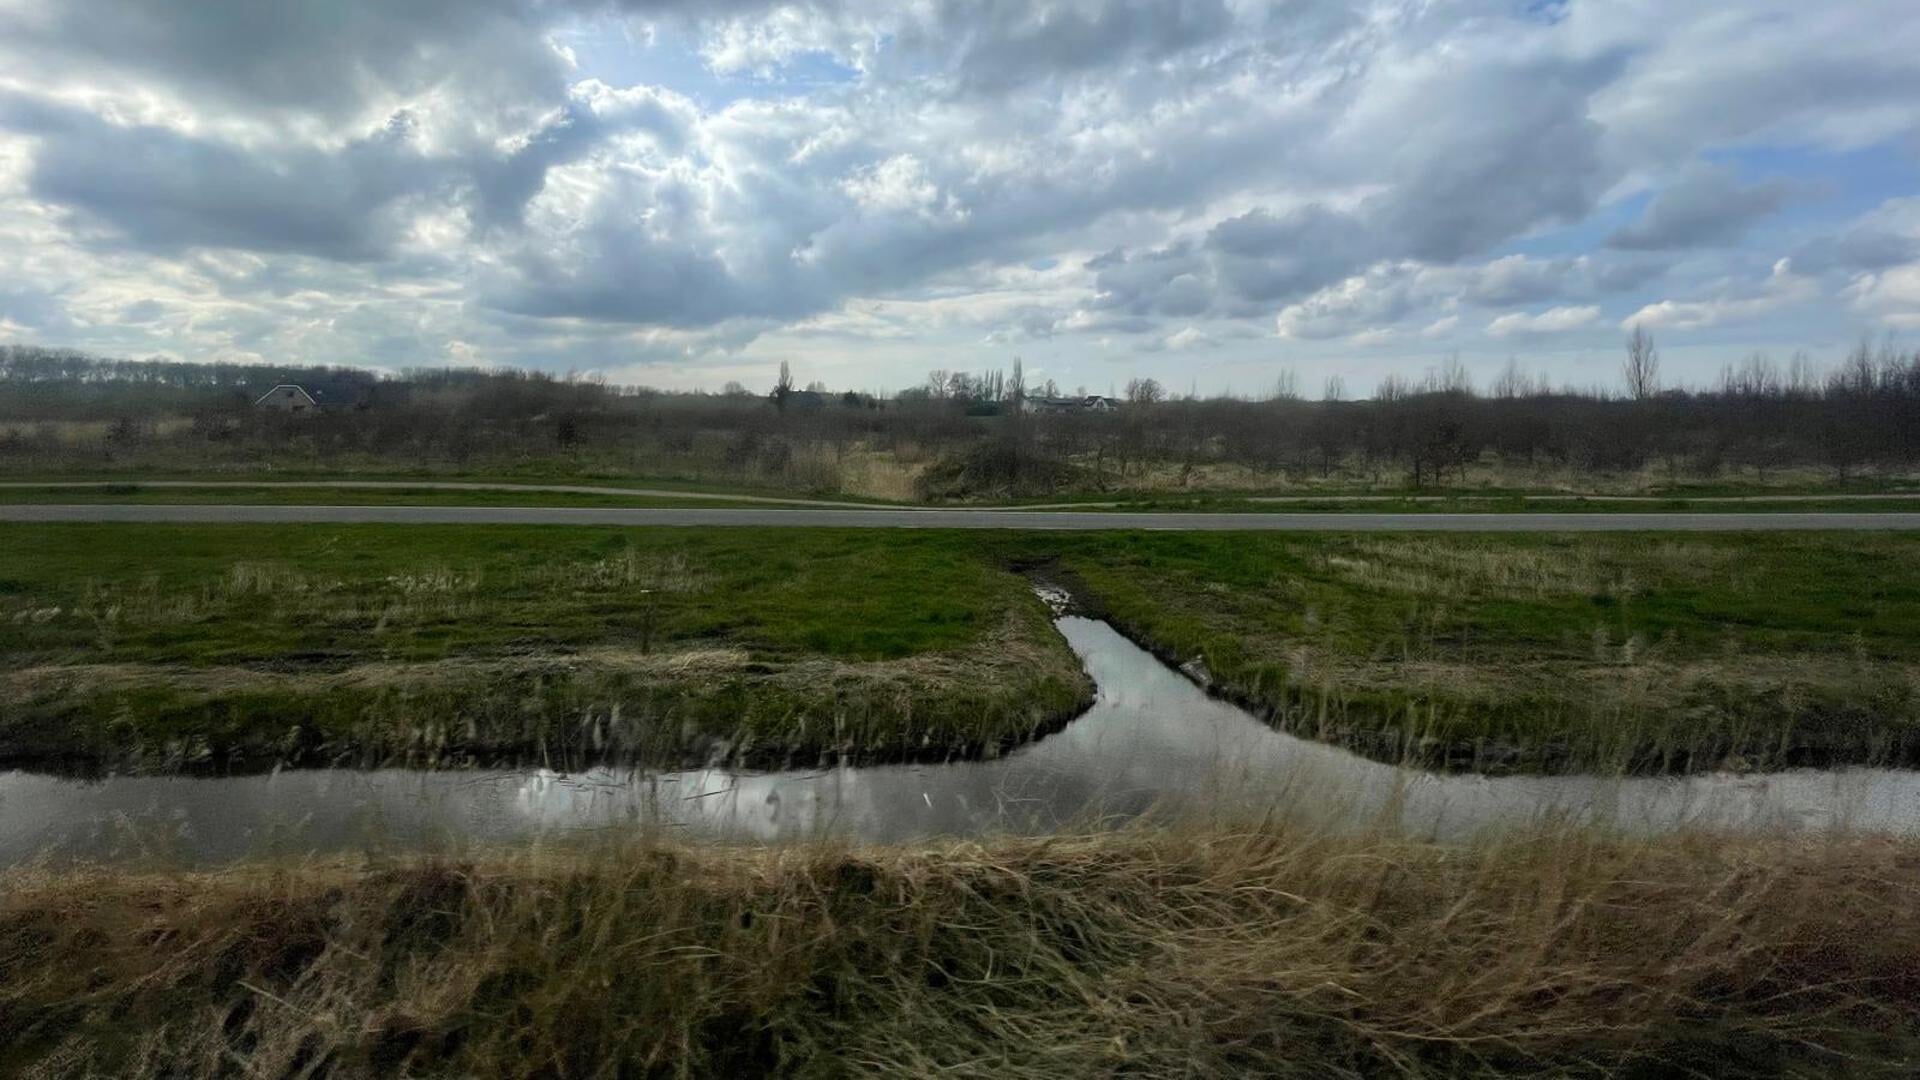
{"x": 1335, "y": 389}
{"x": 1452, "y": 378}
{"x": 1513, "y": 382}
{"x": 1286, "y": 387}
{"x": 1145, "y": 391}
{"x": 1643, "y": 364}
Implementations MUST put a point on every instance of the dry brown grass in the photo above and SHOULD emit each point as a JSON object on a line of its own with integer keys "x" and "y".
{"x": 876, "y": 474}
{"x": 1187, "y": 951}
{"x": 1427, "y": 568}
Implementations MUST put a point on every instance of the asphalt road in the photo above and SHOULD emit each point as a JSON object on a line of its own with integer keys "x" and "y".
{"x": 957, "y": 519}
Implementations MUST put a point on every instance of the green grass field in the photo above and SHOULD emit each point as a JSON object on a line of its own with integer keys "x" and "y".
{"x": 1643, "y": 650}
{"x": 264, "y": 643}
{"x": 160, "y": 646}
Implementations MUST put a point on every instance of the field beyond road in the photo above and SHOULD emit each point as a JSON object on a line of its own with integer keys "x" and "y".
{"x": 159, "y": 647}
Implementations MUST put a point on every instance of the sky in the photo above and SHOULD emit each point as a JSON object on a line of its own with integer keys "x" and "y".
{"x": 1207, "y": 192}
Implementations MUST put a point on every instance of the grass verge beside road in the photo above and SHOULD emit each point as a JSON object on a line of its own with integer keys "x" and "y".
{"x": 1198, "y": 951}
{"x": 121, "y": 494}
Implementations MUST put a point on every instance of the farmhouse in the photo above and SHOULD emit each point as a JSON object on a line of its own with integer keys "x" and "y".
{"x": 314, "y": 397}
{"x": 1051, "y": 406}
{"x": 288, "y": 398}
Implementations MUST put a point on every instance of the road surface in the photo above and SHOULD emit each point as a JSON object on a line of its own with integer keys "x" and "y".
{"x": 955, "y": 519}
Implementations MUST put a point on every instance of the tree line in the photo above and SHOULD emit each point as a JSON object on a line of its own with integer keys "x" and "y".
{"x": 968, "y": 434}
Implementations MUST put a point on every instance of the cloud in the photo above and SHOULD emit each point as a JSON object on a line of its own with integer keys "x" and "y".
{"x": 1185, "y": 339}
{"x": 544, "y": 178}
{"x": 28, "y": 307}
{"x": 1782, "y": 288}
{"x": 1518, "y": 280}
{"x": 1891, "y": 296}
{"x": 1004, "y": 44}
{"x": 327, "y": 60}
{"x": 1886, "y": 236}
{"x": 1708, "y": 205}
{"x": 1551, "y": 321}
{"x": 1360, "y": 305}
{"x": 156, "y": 188}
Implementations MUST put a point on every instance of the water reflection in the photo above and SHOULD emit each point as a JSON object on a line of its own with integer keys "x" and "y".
{"x": 1151, "y": 740}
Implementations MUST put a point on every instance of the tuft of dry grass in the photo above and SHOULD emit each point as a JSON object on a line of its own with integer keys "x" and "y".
{"x": 1200, "y": 950}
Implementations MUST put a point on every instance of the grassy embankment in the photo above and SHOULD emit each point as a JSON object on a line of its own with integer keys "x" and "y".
{"x": 1522, "y": 503}
{"x": 295, "y": 488}
{"x": 157, "y": 647}
{"x": 717, "y": 498}
{"x": 1649, "y": 652}
{"x": 168, "y": 647}
{"x": 1192, "y": 951}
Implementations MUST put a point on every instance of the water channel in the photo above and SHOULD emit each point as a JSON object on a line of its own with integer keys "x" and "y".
{"x": 1152, "y": 741}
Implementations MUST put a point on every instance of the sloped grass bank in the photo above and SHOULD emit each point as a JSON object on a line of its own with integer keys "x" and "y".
{"x": 1572, "y": 652}
{"x": 167, "y": 646}
{"x": 160, "y": 648}
{"x": 1192, "y": 951}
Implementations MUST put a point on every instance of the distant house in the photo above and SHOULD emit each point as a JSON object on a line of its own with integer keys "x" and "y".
{"x": 312, "y": 397}
{"x": 1056, "y": 406}
{"x": 288, "y": 398}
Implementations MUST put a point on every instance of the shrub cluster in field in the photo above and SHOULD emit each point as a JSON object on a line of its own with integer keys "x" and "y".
{"x": 1194, "y": 951}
